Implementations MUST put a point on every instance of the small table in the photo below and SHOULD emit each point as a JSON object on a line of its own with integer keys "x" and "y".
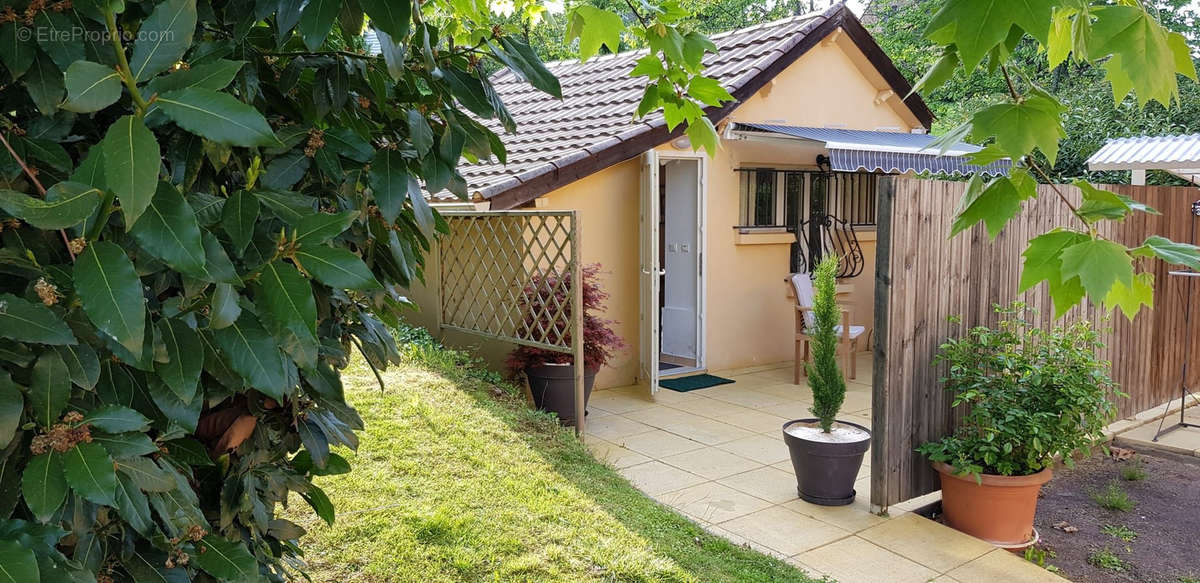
{"x": 1187, "y": 350}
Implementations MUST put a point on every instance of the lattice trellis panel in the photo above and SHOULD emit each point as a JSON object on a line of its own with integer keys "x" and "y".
{"x": 508, "y": 274}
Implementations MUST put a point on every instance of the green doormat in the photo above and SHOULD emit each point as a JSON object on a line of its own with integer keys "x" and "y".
{"x": 691, "y": 383}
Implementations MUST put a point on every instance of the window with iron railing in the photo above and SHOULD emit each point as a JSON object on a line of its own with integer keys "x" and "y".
{"x": 780, "y": 198}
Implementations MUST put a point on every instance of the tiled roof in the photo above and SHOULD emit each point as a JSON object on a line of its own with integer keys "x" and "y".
{"x": 599, "y": 100}
{"x": 593, "y": 125}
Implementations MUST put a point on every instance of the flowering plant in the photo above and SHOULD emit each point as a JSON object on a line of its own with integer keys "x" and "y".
{"x": 539, "y": 301}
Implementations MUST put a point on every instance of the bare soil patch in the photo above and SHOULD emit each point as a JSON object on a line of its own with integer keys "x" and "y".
{"x": 1155, "y": 541}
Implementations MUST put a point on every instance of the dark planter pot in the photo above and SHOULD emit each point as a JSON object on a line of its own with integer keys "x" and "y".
{"x": 553, "y": 388}
{"x": 825, "y": 472}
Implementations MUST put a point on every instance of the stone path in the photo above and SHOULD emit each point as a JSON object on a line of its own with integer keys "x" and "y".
{"x": 717, "y": 455}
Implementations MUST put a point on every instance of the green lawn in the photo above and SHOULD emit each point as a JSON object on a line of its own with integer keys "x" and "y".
{"x": 455, "y": 480}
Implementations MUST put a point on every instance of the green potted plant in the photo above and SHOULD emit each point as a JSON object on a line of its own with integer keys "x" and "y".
{"x": 551, "y": 374}
{"x": 826, "y": 453}
{"x": 1030, "y": 395}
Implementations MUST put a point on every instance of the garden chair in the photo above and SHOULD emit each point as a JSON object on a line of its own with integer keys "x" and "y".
{"x": 805, "y": 320}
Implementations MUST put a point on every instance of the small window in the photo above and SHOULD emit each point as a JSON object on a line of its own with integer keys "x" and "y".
{"x": 763, "y": 202}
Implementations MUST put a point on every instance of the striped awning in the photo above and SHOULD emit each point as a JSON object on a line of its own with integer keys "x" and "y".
{"x": 889, "y": 152}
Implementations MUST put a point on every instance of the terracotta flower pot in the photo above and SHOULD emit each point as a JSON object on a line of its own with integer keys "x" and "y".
{"x": 998, "y": 509}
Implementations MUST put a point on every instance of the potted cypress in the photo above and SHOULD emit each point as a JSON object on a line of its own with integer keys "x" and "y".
{"x": 1031, "y": 396}
{"x": 551, "y": 374}
{"x": 826, "y": 453}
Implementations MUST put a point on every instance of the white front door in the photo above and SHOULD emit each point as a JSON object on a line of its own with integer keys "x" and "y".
{"x": 681, "y": 259}
{"x": 651, "y": 272}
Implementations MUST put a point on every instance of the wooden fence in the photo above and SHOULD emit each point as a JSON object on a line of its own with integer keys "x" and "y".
{"x": 922, "y": 278}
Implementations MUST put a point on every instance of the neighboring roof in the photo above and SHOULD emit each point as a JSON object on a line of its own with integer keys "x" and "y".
{"x": 873, "y": 151}
{"x": 592, "y": 127}
{"x": 1179, "y": 155}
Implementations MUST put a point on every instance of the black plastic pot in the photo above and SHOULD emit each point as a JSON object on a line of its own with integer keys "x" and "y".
{"x": 825, "y": 472}
{"x": 553, "y": 388}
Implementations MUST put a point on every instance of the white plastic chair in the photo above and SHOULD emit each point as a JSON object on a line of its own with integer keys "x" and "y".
{"x": 807, "y": 320}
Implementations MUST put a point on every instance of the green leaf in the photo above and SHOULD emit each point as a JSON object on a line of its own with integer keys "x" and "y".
{"x": 1143, "y": 48}
{"x": 217, "y": 266}
{"x": 1020, "y": 127}
{"x": 1170, "y": 251}
{"x": 346, "y": 142}
{"x": 419, "y": 132}
{"x": 163, "y": 38}
{"x": 321, "y": 227}
{"x": 287, "y": 308}
{"x": 43, "y": 485}
{"x": 224, "y": 559}
{"x": 974, "y": 27}
{"x": 122, "y": 445}
{"x": 12, "y": 404}
{"x": 316, "y": 19}
{"x": 44, "y": 82}
{"x": 215, "y": 76}
{"x": 131, "y": 162}
{"x": 185, "y": 414}
{"x": 168, "y": 231}
{"x": 49, "y": 388}
{"x": 994, "y": 204}
{"x": 217, "y": 116}
{"x": 708, "y": 91}
{"x": 391, "y": 16}
{"x": 133, "y": 506}
{"x": 19, "y": 563}
{"x": 1097, "y": 263}
{"x": 1059, "y": 42}
{"x": 285, "y": 171}
{"x": 49, "y": 152}
{"x": 288, "y": 206}
{"x": 238, "y": 218}
{"x": 91, "y": 87}
{"x": 82, "y": 363}
{"x": 66, "y": 204}
{"x": 1100, "y": 204}
{"x": 24, "y": 321}
{"x": 421, "y": 209}
{"x": 389, "y": 183}
{"x": 223, "y": 308}
{"x": 89, "y": 471}
{"x": 1130, "y": 299}
{"x": 1043, "y": 258}
{"x": 185, "y": 358}
{"x": 1183, "y": 55}
{"x": 526, "y": 64}
{"x": 594, "y": 27}
{"x": 16, "y": 51}
{"x": 939, "y": 73}
{"x": 702, "y": 134}
{"x": 146, "y": 474}
{"x": 117, "y": 419}
{"x": 111, "y": 294}
{"x": 337, "y": 268}
{"x": 254, "y": 354}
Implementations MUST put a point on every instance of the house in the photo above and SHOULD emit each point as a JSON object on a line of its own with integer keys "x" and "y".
{"x": 819, "y": 110}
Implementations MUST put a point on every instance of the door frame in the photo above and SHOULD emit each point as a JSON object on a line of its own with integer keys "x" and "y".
{"x": 702, "y": 161}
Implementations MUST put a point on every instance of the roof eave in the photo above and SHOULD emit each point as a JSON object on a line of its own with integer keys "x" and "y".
{"x": 517, "y": 190}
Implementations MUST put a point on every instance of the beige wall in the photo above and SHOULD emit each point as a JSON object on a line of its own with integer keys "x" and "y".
{"x": 748, "y": 314}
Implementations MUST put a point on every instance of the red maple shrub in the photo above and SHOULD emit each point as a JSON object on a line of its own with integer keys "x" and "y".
{"x": 541, "y": 300}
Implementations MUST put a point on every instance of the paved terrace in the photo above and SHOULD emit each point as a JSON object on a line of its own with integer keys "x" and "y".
{"x": 717, "y": 455}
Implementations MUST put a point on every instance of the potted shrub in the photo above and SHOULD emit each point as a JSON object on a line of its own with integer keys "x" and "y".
{"x": 826, "y": 453}
{"x": 551, "y": 374}
{"x": 1030, "y": 395}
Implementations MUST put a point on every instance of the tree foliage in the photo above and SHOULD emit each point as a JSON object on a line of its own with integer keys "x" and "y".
{"x": 1142, "y": 60}
{"x": 206, "y": 206}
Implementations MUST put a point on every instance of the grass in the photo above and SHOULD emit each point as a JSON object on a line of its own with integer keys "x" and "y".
{"x": 1187, "y": 579}
{"x": 1120, "y": 532}
{"x": 1135, "y": 471}
{"x": 1040, "y": 557}
{"x": 1114, "y": 497}
{"x": 1108, "y": 560}
{"x": 456, "y": 480}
